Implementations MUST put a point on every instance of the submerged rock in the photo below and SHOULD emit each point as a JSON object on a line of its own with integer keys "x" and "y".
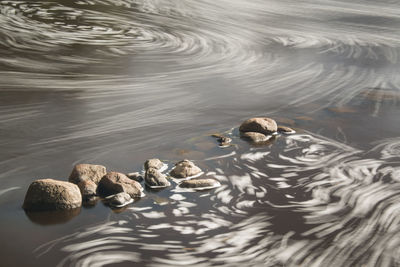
{"x": 135, "y": 176}
{"x": 88, "y": 190}
{"x": 184, "y": 169}
{"x": 200, "y": 184}
{"x": 265, "y": 126}
{"x": 255, "y": 137}
{"x": 119, "y": 200}
{"x": 49, "y": 194}
{"x": 155, "y": 179}
{"x": 87, "y": 172}
{"x": 285, "y": 130}
{"x": 153, "y": 163}
{"x": 114, "y": 182}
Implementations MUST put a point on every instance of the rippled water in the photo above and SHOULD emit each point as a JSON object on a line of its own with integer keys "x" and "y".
{"x": 117, "y": 82}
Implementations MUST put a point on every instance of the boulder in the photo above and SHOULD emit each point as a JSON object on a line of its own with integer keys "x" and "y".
{"x": 254, "y": 137}
{"x": 265, "y": 126}
{"x": 87, "y": 172}
{"x": 185, "y": 168}
{"x": 285, "y": 130}
{"x": 135, "y": 176}
{"x": 153, "y": 163}
{"x": 200, "y": 184}
{"x": 114, "y": 182}
{"x": 119, "y": 200}
{"x": 49, "y": 195}
{"x": 155, "y": 178}
{"x": 88, "y": 190}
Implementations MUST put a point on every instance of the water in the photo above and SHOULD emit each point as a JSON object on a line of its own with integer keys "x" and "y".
{"x": 118, "y": 82}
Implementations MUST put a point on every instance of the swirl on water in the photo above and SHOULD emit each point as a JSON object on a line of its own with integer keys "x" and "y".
{"x": 304, "y": 200}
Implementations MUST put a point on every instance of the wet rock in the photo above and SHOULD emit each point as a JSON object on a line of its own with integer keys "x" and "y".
{"x": 254, "y": 137}
{"x": 135, "y": 176}
{"x": 88, "y": 190}
{"x": 155, "y": 179}
{"x": 114, "y": 182}
{"x": 200, "y": 184}
{"x": 87, "y": 172}
{"x": 265, "y": 126}
{"x": 184, "y": 169}
{"x": 49, "y": 194}
{"x": 119, "y": 200}
{"x": 285, "y": 130}
{"x": 224, "y": 140}
{"x": 153, "y": 163}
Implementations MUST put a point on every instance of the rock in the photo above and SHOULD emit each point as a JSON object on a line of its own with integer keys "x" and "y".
{"x": 119, "y": 200}
{"x": 224, "y": 140}
{"x": 200, "y": 184}
{"x": 114, "y": 182}
{"x": 285, "y": 130}
{"x": 87, "y": 172}
{"x": 135, "y": 176}
{"x": 254, "y": 137}
{"x": 185, "y": 168}
{"x": 49, "y": 195}
{"x": 153, "y": 163}
{"x": 88, "y": 190}
{"x": 155, "y": 179}
{"x": 265, "y": 126}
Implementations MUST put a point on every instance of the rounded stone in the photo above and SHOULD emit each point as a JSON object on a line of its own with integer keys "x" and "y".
{"x": 49, "y": 195}
{"x": 254, "y": 137}
{"x": 154, "y": 178}
{"x": 153, "y": 163}
{"x": 87, "y": 172}
{"x": 88, "y": 189}
{"x": 185, "y": 168}
{"x": 119, "y": 200}
{"x": 114, "y": 182}
{"x": 265, "y": 126}
{"x": 200, "y": 183}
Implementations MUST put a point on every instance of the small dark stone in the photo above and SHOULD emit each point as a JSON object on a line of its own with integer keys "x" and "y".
{"x": 154, "y": 178}
{"x": 285, "y": 130}
{"x": 153, "y": 163}
{"x": 135, "y": 176}
{"x": 224, "y": 140}
{"x": 119, "y": 200}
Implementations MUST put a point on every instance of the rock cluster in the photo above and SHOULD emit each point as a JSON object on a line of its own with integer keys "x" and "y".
{"x": 258, "y": 130}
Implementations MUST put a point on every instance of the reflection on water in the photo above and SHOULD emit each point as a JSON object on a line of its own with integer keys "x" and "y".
{"x": 118, "y": 82}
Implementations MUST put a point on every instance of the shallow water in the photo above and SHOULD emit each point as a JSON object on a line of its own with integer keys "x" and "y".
{"x": 118, "y": 82}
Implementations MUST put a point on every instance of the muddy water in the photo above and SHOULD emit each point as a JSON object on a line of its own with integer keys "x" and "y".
{"x": 117, "y": 82}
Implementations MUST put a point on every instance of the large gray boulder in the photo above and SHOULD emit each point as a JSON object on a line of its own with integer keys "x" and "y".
{"x": 265, "y": 126}
{"x": 87, "y": 172}
{"x": 114, "y": 182}
{"x": 50, "y": 195}
{"x": 184, "y": 169}
{"x": 155, "y": 179}
{"x": 153, "y": 163}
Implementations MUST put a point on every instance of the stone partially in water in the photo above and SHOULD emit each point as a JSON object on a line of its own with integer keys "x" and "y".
{"x": 265, "y": 126}
{"x": 49, "y": 194}
{"x": 155, "y": 179}
{"x": 135, "y": 176}
{"x": 285, "y": 130}
{"x": 200, "y": 184}
{"x": 153, "y": 163}
{"x": 88, "y": 190}
{"x": 184, "y": 169}
{"x": 255, "y": 137}
{"x": 87, "y": 172}
{"x": 114, "y": 182}
{"x": 119, "y": 200}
